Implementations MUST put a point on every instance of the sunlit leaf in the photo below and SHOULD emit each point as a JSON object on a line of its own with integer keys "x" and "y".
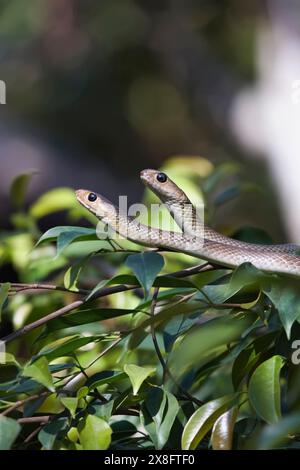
{"x": 264, "y": 389}
{"x": 65, "y": 235}
{"x": 54, "y": 200}
{"x": 222, "y": 433}
{"x": 203, "y": 420}
{"x": 94, "y": 433}
{"x": 70, "y": 403}
{"x": 137, "y": 375}
{"x": 39, "y": 371}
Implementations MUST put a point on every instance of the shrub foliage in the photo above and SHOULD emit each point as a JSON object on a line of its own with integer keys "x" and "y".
{"x": 120, "y": 348}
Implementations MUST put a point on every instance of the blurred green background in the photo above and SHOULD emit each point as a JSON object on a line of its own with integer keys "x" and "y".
{"x": 98, "y": 90}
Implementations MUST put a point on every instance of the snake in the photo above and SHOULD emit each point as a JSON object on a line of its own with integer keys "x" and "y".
{"x": 186, "y": 216}
{"x": 225, "y": 254}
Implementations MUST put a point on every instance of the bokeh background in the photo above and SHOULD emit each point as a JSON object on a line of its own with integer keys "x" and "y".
{"x": 98, "y": 90}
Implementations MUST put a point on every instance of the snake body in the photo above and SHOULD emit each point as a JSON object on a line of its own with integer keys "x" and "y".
{"x": 185, "y": 214}
{"x": 212, "y": 251}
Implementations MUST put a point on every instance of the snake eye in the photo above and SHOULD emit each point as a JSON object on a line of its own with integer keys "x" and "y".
{"x": 92, "y": 197}
{"x": 161, "y": 177}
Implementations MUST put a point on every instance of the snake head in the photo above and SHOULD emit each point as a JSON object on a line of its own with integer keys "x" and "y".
{"x": 95, "y": 203}
{"x": 162, "y": 186}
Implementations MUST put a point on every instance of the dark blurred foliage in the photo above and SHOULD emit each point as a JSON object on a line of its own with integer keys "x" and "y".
{"x": 96, "y": 91}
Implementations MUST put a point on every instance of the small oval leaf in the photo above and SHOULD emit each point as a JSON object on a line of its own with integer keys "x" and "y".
{"x": 203, "y": 420}
{"x": 264, "y": 389}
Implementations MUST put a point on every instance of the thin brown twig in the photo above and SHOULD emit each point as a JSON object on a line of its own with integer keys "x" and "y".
{"x": 20, "y": 403}
{"x": 73, "y": 381}
{"x": 105, "y": 291}
{"x": 166, "y": 370}
{"x": 32, "y": 434}
{"x": 16, "y": 288}
{"x": 34, "y": 419}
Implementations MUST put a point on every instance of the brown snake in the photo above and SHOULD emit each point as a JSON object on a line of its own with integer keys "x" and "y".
{"x": 226, "y": 254}
{"x": 185, "y": 214}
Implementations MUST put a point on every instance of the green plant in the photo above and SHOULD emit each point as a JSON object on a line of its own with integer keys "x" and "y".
{"x": 126, "y": 349}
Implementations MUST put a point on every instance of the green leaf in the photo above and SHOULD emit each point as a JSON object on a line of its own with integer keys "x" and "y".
{"x": 201, "y": 342}
{"x": 82, "y": 392}
{"x": 54, "y": 200}
{"x": 137, "y": 375}
{"x": 282, "y": 291}
{"x": 19, "y": 187}
{"x": 246, "y": 275}
{"x": 275, "y": 435}
{"x": 285, "y": 295}
{"x": 83, "y": 317}
{"x": 219, "y": 174}
{"x": 50, "y": 432}
{"x": 39, "y": 371}
{"x": 71, "y": 276}
{"x": 249, "y": 357}
{"x": 4, "y": 290}
{"x": 105, "y": 377}
{"x": 145, "y": 266}
{"x": 9, "y": 430}
{"x": 96, "y": 289}
{"x": 65, "y": 235}
{"x": 71, "y": 404}
{"x": 159, "y": 412}
{"x": 222, "y": 432}
{"x": 67, "y": 348}
{"x": 94, "y": 433}
{"x": 203, "y": 420}
{"x": 227, "y": 195}
{"x": 54, "y": 232}
{"x": 232, "y": 192}
{"x": 66, "y": 238}
{"x": 264, "y": 389}
{"x": 102, "y": 410}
